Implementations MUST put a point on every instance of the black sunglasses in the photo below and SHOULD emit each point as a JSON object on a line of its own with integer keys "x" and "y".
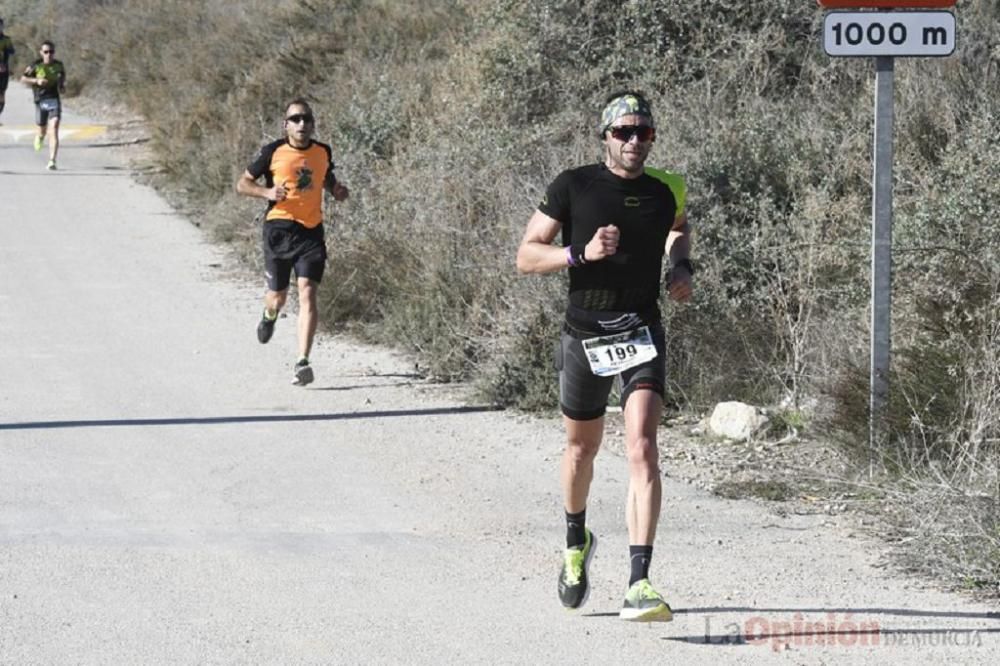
{"x": 47, "y": 52}
{"x": 626, "y": 132}
{"x": 300, "y": 118}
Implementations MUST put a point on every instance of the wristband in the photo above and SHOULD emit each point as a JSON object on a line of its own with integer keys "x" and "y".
{"x": 577, "y": 254}
{"x": 569, "y": 256}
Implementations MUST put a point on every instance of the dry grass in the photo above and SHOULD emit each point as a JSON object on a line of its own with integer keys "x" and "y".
{"x": 449, "y": 117}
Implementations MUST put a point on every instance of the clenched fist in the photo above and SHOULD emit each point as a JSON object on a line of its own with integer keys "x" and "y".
{"x": 603, "y": 244}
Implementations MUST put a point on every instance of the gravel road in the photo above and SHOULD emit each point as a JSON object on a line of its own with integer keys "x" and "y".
{"x": 167, "y": 497}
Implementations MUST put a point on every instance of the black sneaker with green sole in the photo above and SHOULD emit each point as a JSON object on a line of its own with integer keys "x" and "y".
{"x": 644, "y": 604}
{"x": 574, "y": 587}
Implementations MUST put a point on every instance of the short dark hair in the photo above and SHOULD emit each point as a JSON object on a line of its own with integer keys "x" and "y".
{"x": 299, "y": 101}
{"x": 49, "y": 43}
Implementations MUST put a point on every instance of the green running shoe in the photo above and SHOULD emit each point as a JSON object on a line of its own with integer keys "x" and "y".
{"x": 574, "y": 588}
{"x": 39, "y": 140}
{"x": 644, "y": 604}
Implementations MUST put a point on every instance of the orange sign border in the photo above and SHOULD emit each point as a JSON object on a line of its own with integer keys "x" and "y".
{"x": 886, "y": 4}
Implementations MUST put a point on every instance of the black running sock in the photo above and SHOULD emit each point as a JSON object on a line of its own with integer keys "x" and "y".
{"x": 576, "y": 532}
{"x": 640, "y": 557}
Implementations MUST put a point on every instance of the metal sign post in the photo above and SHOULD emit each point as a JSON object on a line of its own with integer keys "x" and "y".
{"x": 881, "y": 303}
{"x": 884, "y": 35}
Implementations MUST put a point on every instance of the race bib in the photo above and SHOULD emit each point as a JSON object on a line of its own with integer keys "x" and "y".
{"x": 611, "y": 354}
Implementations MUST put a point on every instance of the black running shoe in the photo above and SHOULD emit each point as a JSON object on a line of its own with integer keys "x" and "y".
{"x": 303, "y": 374}
{"x": 574, "y": 588}
{"x": 265, "y": 329}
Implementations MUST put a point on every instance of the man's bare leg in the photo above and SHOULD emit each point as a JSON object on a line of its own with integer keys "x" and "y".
{"x": 308, "y": 315}
{"x": 308, "y": 321}
{"x": 53, "y": 140}
{"x": 642, "y": 418}
{"x": 583, "y": 439}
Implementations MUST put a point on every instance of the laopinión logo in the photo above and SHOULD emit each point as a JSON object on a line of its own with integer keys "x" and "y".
{"x": 833, "y": 630}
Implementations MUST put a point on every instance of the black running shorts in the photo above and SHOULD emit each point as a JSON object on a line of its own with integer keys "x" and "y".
{"x": 47, "y": 109}
{"x": 287, "y": 245}
{"x": 583, "y": 395}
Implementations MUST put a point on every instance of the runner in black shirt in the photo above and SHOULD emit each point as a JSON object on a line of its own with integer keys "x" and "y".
{"x": 618, "y": 219}
{"x": 47, "y": 78}
{"x": 6, "y": 51}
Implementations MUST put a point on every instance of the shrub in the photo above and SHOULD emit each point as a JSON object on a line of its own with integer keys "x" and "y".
{"x": 449, "y": 117}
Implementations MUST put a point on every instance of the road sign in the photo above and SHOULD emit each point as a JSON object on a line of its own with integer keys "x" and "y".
{"x": 916, "y": 33}
{"x": 884, "y": 35}
{"x": 886, "y": 4}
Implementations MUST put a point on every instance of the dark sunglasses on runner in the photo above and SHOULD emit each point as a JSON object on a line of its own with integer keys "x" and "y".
{"x": 300, "y": 118}
{"x": 48, "y": 52}
{"x": 625, "y": 132}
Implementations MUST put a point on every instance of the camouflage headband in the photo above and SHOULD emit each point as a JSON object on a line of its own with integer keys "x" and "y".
{"x": 623, "y": 106}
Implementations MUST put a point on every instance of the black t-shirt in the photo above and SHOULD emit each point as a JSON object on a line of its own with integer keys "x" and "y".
{"x": 6, "y": 51}
{"x": 643, "y": 209}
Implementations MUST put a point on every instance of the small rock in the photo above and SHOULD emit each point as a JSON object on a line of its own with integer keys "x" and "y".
{"x": 736, "y": 420}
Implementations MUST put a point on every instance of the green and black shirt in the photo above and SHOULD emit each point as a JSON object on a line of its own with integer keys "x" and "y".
{"x": 644, "y": 209}
{"x": 54, "y": 74}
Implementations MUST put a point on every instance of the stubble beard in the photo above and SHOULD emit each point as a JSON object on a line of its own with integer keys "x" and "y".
{"x": 619, "y": 161}
{"x": 294, "y": 139}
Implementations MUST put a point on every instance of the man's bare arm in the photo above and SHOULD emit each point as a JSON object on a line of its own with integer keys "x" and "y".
{"x": 247, "y": 185}
{"x": 678, "y": 250}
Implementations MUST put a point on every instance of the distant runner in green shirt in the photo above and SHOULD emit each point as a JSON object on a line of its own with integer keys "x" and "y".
{"x": 47, "y": 76}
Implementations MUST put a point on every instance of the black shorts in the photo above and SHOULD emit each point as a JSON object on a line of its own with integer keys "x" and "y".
{"x": 287, "y": 245}
{"x": 46, "y": 110}
{"x": 583, "y": 395}
{"x": 4, "y": 78}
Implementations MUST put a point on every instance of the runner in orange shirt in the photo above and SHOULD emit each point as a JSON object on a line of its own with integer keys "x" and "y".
{"x": 296, "y": 170}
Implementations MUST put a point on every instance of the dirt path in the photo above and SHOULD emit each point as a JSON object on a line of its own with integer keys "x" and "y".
{"x": 166, "y": 496}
